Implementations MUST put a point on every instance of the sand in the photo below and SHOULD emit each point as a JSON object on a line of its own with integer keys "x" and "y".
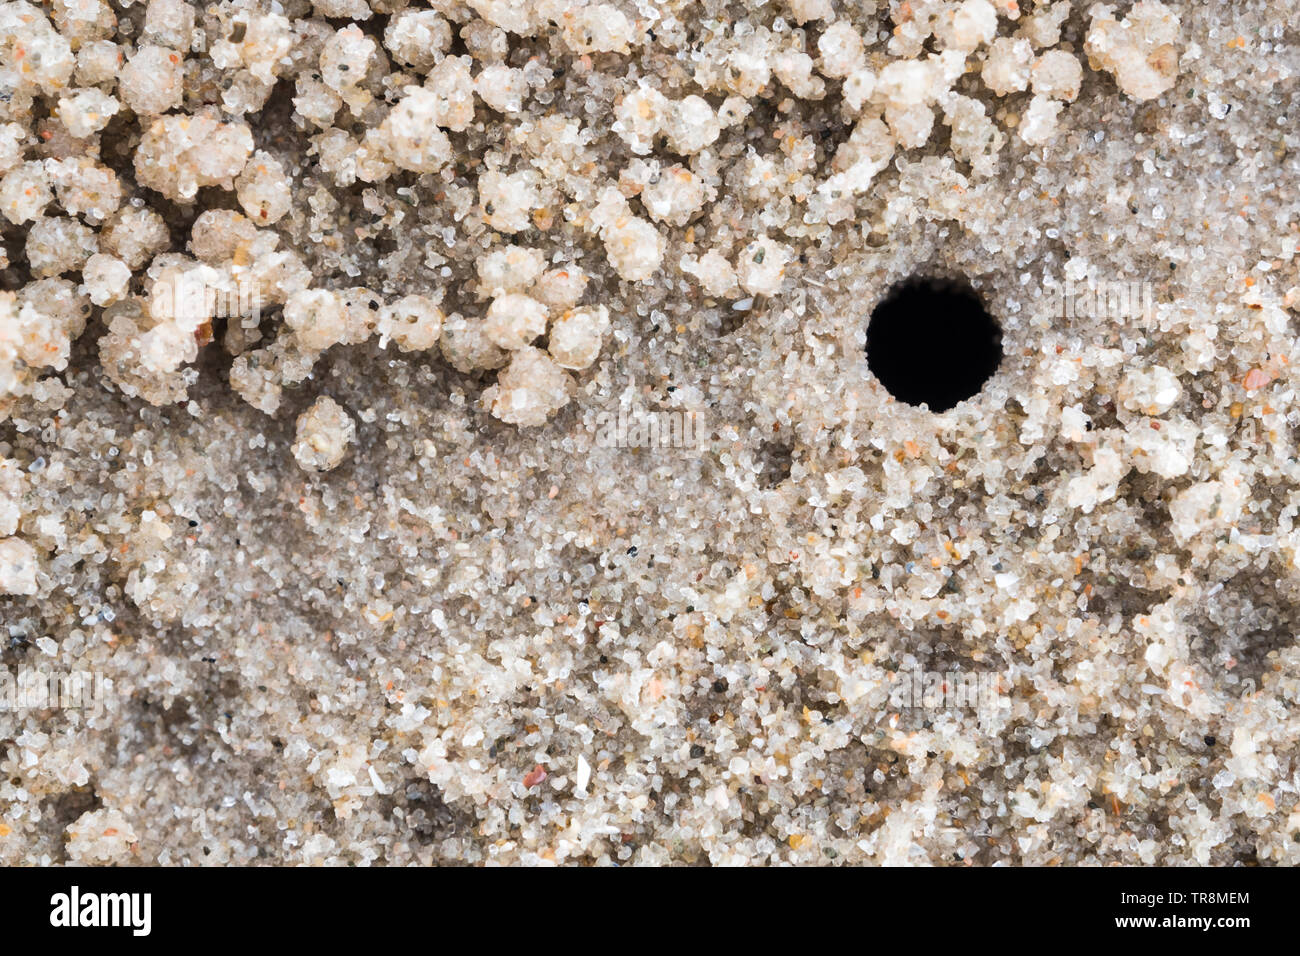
{"x": 444, "y": 434}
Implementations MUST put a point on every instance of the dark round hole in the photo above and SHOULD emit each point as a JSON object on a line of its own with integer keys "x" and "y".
{"x": 931, "y": 342}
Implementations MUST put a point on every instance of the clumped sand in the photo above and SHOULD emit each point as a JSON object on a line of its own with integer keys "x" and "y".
{"x": 316, "y": 317}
